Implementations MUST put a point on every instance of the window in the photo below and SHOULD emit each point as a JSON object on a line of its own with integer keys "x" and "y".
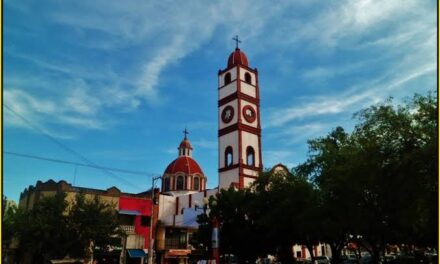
{"x": 227, "y": 78}
{"x": 180, "y": 183}
{"x": 250, "y": 156}
{"x": 196, "y": 183}
{"x": 166, "y": 184}
{"x": 228, "y": 156}
{"x": 145, "y": 221}
{"x": 247, "y": 78}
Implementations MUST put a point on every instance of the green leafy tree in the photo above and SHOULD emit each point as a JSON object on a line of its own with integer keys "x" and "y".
{"x": 380, "y": 181}
{"x": 43, "y": 232}
{"x": 93, "y": 223}
{"x": 290, "y": 213}
{"x": 53, "y": 230}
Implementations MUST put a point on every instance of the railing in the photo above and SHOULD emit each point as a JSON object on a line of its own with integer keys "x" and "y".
{"x": 170, "y": 244}
{"x": 129, "y": 229}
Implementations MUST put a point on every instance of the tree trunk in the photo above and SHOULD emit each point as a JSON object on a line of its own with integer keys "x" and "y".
{"x": 375, "y": 257}
{"x": 336, "y": 253}
{"x": 88, "y": 253}
{"x": 285, "y": 254}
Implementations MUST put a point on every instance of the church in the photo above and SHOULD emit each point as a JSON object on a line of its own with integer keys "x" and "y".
{"x": 183, "y": 189}
{"x": 166, "y": 218}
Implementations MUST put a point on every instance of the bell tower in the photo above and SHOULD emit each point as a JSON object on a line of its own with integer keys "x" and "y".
{"x": 239, "y": 129}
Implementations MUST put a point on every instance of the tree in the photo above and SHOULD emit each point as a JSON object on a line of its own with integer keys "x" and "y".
{"x": 328, "y": 166}
{"x": 43, "y": 232}
{"x": 52, "y": 229}
{"x": 92, "y": 224}
{"x": 291, "y": 212}
{"x": 239, "y": 233}
{"x": 383, "y": 175}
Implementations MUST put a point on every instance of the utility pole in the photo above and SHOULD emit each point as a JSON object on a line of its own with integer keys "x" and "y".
{"x": 150, "y": 245}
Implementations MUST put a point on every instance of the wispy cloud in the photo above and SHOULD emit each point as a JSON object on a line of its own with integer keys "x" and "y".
{"x": 357, "y": 97}
{"x": 273, "y": 157}
{"x": 206, "y": 144}
{"x": 44, "y": 112}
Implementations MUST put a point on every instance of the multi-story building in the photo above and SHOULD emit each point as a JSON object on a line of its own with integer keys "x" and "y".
{"x": 134, "y": 214}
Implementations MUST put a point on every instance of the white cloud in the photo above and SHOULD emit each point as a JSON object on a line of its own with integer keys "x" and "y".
{"x": 44, "y": 112}
{"x": 358, "y": 96}
{"x": 273, "y": 157}
{"x": 170, "y": 32}
{"x": 203, "y": 143}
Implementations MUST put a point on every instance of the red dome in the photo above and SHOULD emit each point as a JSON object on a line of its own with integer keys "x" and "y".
{"x": 237, "y": 58}
{"x": 185, "y": 144}
{"x": 184, "y": 164}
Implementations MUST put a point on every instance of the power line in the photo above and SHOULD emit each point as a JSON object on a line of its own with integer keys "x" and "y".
{"x": 68, "y": 149}
{"x": 74, "y": 163}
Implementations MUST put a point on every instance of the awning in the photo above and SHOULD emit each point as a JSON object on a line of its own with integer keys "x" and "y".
{"x": 136, "y": 253}
{"x": 179, "y": 252}
{"x": 129, "y": 212}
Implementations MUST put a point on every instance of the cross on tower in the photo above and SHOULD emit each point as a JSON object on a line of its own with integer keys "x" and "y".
{"x": 236, "y": 41}
{"x": 185, "y": 132}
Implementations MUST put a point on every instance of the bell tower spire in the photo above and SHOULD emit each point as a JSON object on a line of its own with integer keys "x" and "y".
{"x": 239, "y": 129}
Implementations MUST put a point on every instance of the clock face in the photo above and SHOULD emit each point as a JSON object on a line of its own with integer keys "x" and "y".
{"x": 227, "y": 114}
{"x": 249, "y": 113}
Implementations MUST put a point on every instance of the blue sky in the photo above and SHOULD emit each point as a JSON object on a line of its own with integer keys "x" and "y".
{"x": 118, "y": 81}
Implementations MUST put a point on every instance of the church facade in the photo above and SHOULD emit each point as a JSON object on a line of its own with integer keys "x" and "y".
{"x": 183, "y": 189}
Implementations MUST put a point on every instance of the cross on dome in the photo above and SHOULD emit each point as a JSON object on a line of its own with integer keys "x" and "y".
{"x": 185, "y": 132}
{"x": 236, "y": 41}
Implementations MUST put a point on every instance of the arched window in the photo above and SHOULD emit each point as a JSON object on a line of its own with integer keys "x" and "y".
{"x": 227, "y": 78}
{"x": 250, "y": 156}
{"x": 166, "y": 184}
{"x": 196, "y": 183}
{"x": 228, "y": 156}
{"x": 247, "y": 77}
{"x": 180, "y": 183}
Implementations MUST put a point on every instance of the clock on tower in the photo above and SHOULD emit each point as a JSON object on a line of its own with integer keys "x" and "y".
{"x": 239, "y": 132}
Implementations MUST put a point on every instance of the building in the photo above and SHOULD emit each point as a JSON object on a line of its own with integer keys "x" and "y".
{"x": 134, "y": 214}
{"x": 183, "y": 175}
{"x": 181, "y": 200}
{"x": 184, "y": 191}
{"x": 239, "y": 126}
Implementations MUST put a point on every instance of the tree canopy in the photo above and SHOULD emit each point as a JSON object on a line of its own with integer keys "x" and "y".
{"x": 52, "y": 229}
{"x": 376, "y": 185}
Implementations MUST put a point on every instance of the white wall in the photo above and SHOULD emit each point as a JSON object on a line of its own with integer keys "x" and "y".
{"x": 248, "y": 89}
{"x": 227, "y": 90}
{"x": 221, "y": 77}
{"x": 167, "y": 206}
{"x": 234, "y": 105}
{"x": 249, "y": 139}
{"x": 227, "y": 177}
{"x": 243, "y": 72}
{"x": 230, "y": 139}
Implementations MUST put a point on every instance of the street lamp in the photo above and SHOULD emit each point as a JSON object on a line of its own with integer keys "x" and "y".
{"x": 215, "y": 243}
{"x": 150, "y": 245}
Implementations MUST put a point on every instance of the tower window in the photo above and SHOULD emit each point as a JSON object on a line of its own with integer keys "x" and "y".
{"x": 228, "y": 156}
{"x": 247, "y": 77}
{"x": 227, "y": 78}
{"x": 196, "y": 183}
{"x": 166, "y": 184}
{"x": 250, "y": 156}
{"x": 180, "y": 183}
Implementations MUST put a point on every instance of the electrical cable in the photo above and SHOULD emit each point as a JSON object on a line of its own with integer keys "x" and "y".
{"x": 68, "y": 149}
{"x": 73, "y": 163}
